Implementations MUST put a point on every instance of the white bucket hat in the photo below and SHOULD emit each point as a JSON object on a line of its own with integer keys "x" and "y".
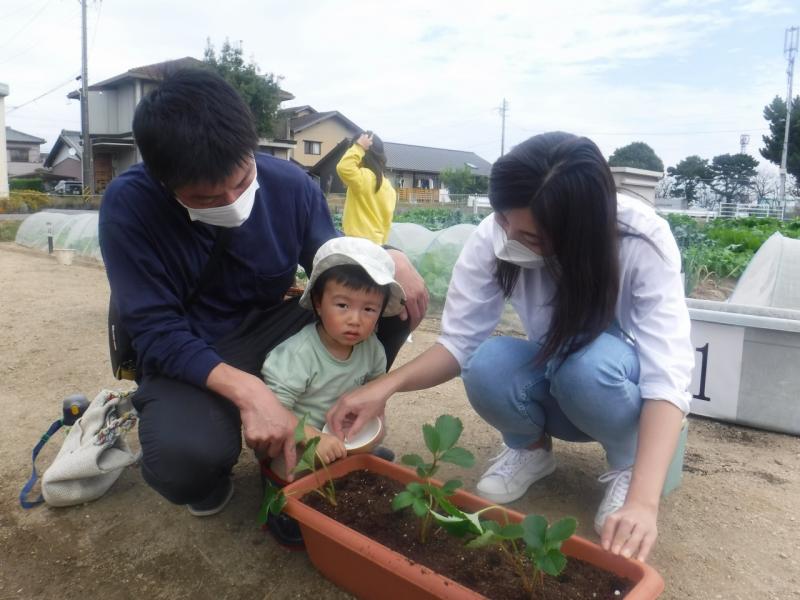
{"x": 364, "y": 253}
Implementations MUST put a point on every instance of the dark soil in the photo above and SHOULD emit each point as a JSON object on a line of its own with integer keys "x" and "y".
{"x": 364, "y": 503}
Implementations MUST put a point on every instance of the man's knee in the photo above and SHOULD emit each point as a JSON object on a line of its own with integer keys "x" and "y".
{"x": 185, "y": 473}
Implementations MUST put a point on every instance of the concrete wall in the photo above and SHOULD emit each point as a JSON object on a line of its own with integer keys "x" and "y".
{"x": 3, "y": 158}
{"x": 111, "y": 111}
{"x": 638, "y": 183}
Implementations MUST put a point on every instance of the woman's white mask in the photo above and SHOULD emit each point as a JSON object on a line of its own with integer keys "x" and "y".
{"x": 512, "y": 251}
{"x": 230, "y": 215}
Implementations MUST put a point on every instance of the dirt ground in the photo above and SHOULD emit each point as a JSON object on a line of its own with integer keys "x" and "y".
{"x": 731, "y": 531}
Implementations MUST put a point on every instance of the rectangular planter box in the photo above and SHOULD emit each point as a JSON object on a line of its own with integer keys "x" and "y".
{"x": 370, "y": 570}
{"x": 746, "y": 364}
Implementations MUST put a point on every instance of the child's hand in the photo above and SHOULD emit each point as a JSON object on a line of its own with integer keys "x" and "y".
{"x": 330, "y": 448}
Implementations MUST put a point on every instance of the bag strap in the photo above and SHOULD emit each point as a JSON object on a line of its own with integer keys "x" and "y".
{"x": 220, "y": 244}
{"x": 24, "y": 502}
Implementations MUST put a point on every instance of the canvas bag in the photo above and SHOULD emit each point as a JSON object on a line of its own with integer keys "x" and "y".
{"x": 94, "y": 452}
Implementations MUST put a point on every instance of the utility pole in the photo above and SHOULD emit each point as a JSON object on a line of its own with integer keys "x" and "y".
{"x": 789, "y": 51}
{"x": 86, "y": 155}
{"x": 503, "y": 110}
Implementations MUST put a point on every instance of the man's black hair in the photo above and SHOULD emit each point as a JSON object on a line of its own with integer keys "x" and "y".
{"x": 194, "y": 128}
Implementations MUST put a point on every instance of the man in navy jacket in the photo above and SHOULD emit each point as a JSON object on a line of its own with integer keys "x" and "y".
{"x": 197, "y": 361}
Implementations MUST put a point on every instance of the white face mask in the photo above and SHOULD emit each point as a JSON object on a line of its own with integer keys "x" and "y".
{"x": 514, "y": 252}
{"x": 230, "y": 215}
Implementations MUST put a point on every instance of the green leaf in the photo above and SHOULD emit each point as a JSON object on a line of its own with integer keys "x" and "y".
{"x": 419, "y": 507}
{"x": 449, "y": 429}
{"x": 483, "y": 540}
{"x": 560, "y": 531}
{"x": 534, "y": 531}
{"x": 308, "y": 460}
{"x": 458, "y": 456}
{"x": 274, "y": 501}
{"x": 403, "y": 500}
{"x": 300, "y": 430}
{"x": 513, "y": 531}
{"x": 431, "y": 438}
{"x": 551, "y": 563}
{"x": 456, "y": 526}
{"x": 416, "y": 488}
{"x": 449, "y": 488}
{"x": 412, "y": 460}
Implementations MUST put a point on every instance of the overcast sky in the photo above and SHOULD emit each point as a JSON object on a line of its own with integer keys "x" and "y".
{"x": 687, "y": 77}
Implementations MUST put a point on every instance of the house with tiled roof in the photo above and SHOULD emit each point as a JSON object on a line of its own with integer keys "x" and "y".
{"x": 415, "y": 171}
{"x": 112, "y": 103}
{"x": 64, "y": 159}
{"x": 314, "y": 133}
{"x": 22, "y": 153}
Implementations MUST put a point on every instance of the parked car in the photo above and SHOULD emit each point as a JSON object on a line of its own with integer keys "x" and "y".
{"x": 68, "y": 188}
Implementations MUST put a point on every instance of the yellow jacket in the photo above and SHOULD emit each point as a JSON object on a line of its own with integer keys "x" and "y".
{"x": 367, "y": 213}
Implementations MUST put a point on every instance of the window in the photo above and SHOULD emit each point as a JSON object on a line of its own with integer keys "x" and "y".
{"x": 313, "y": 147}
{"x": 18, "y": 154}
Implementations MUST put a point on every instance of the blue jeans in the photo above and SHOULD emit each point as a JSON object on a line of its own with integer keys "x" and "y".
{"x": 592, "y": 396}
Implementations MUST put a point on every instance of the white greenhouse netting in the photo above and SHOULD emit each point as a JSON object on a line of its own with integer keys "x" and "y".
{"x": 773, "y": 276}
{"x": 436, "y": 260}
{"x": 70, "y": 231}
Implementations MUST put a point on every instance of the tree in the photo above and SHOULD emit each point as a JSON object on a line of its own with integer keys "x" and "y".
{"x": 637, "y": 155}
{"x": 775, "y": 113}
{"x": 690, "y": 174}
{"x": 765, "y": 185}
{"x": 732, "y": 174}
{"x": 464, "y": 181}
{"x": 260, "y": 92}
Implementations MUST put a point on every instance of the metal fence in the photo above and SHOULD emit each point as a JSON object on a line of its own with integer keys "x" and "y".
{"x": 733, "y": 210}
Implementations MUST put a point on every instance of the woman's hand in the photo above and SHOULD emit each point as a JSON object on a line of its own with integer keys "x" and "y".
{"x": 631, "y": 531}
{"x": 365, "y": 141}
{"x": 356, "y": 408}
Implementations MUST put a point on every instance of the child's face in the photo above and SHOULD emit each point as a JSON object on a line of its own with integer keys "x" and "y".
{"x": 348, "y": 316}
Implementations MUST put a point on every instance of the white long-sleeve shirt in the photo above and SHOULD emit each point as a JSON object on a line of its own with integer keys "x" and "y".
{"x": 651, "y": 307}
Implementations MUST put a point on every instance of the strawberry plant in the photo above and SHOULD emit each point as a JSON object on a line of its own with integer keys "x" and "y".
{"x": 425, "y": 498}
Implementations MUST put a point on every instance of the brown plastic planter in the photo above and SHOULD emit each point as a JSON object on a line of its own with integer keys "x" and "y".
{"x": 368, "y": 569}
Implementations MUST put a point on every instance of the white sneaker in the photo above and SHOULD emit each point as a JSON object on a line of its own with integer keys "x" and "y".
{"x": 616, "y": 492}
{"x": 513, "y": 472}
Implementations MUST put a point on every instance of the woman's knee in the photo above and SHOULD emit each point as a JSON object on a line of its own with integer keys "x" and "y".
{"x": 494, "y": 365}
{"x": 608, "y": 367}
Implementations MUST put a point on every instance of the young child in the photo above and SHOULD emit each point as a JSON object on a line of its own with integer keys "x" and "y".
{"x": 351, "y": 285}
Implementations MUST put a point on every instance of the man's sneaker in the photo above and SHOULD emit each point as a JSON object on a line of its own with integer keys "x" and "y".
{"x": 616, "y": 492}
{"x": 215, "y": 502}
{"x": 513, "y": 472}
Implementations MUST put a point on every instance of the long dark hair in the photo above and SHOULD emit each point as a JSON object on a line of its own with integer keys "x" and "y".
{"x": 567, "y": 185}
{"x": 375, "y": 159}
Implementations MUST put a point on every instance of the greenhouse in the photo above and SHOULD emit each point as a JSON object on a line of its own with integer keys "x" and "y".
{"x": 76, "y": 232}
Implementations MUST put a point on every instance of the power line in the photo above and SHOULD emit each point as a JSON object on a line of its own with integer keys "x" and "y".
{"x": 14, "y": 12}
{"x": 40, "y": 96}
{"x": 31, "y": 20}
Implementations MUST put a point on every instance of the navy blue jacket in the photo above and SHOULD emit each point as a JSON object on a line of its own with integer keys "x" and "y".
{"x": 154, "y": 255}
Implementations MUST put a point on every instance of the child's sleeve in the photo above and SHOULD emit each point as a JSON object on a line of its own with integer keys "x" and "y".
{"x": 378, "y": 366}
{"x": 349, "y": 170}
{"x": 285, "y": 374}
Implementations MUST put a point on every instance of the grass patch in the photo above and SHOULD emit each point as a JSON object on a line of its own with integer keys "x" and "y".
{"x": 8, "y": 230}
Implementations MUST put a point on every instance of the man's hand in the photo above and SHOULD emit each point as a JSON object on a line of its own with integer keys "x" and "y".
{"x": 358, "y": 407}
{"x": 631, "y": 531}
{"x": 414, "y": 287}
{"x": 268, "y": 426}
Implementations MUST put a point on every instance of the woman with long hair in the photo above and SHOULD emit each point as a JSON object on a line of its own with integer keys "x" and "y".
{"x": 370, "y": 200}
{"x": 595, "y": 279}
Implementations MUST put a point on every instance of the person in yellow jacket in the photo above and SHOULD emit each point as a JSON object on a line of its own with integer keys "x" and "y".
{"x": 370, "y": 201}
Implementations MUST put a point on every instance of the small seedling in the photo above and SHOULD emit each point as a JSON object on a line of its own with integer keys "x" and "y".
{"x": 425, "y": 498}
{"x": 274, "y": 498}
{"x": 541, "y": 553}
